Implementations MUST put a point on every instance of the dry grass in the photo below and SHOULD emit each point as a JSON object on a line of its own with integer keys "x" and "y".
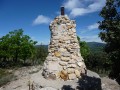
{"x": 6, "y": 76}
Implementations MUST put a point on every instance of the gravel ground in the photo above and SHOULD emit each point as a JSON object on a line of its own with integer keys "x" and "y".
{"x": 32, "y": 76}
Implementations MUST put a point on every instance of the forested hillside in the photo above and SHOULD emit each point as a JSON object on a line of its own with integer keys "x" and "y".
{"x": 96, "y": 46}
{"x": 96, "y": 58}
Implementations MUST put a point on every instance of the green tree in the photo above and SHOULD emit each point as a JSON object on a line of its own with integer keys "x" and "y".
{"x": 41, "y": 53}
{"x": 16, "y": 46}
{"x": 110, "y": 33}
{"x": 84, "y": 48}
{"x": 27, "y": 49}
{"x": 4, "y": 47}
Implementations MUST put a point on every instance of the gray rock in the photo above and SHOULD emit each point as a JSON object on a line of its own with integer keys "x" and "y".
{"x": 48, "y": 88}
{"x": 92, "y": 74}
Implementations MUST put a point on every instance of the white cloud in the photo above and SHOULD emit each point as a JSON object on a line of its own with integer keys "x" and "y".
{"x": 78, "y": 12}
{"x": 93, "y": 26}
{"x": 82, "y": 7}
{"x": 41, "y": 20}
{"x": 89, "y": 28}
{"x": 70, "y": 4}
{"x": 85, "y": 36}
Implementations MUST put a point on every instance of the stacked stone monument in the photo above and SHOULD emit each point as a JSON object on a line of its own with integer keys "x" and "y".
{"x": 64, "y": 60}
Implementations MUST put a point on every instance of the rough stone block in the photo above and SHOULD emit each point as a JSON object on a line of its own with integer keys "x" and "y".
{"x": 64, "y": 75}
{"x": 62, "y": 49}
{"x": 80, "y": 64}
{"x": 66, "y": 59}
{"x": 71, "y": 66}
{"x": 57, "y": 54}
{"x": 63, "y": 63}
{"x": 70, "y": 70}
{"x": 77, "y": 73}
{"x": 72, "y": 76}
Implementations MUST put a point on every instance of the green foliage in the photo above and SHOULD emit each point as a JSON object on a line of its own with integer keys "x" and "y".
{"x": 95, "y": 58}
{"x": 15, "y": 47}
{"x": 98, "y": 60}
{"x": 110, "y": 33}
{"x": 96, "y": 46}
{"x": 41, "y": 54}
{"x": 84, "y": 48}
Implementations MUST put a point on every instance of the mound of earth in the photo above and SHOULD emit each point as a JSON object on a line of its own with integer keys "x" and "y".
{"x": 32, "y": 78}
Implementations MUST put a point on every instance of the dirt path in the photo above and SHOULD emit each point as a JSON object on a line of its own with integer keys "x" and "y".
{"x": 32, "y": 75}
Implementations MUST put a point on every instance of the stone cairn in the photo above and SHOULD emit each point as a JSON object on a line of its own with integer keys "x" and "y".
{"x": 64, "y": 60}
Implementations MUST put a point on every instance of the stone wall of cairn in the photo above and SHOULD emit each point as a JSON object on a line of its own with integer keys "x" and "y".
{"x": 64, "y": 60}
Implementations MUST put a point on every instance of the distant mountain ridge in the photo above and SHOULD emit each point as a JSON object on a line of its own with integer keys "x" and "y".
{"x": 92, "y": 45}
{"x": 96, "y": 46}
{"x": 41, "y": 45}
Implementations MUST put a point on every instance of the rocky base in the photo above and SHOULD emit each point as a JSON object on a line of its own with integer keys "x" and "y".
{"x": 90, "y": 82}
{"x": 64, "y": 60}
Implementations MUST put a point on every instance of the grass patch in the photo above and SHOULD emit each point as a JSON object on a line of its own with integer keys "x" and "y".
{"x": 5, "y": 77}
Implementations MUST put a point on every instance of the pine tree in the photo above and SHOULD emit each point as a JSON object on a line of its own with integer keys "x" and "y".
{"x": 110, "y": 33}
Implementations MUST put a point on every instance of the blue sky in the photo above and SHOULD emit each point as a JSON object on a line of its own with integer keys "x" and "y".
{"x": 34, "y": 17}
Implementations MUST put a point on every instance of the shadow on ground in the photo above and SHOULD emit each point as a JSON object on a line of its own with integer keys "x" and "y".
{"x": 86, "y": 83}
